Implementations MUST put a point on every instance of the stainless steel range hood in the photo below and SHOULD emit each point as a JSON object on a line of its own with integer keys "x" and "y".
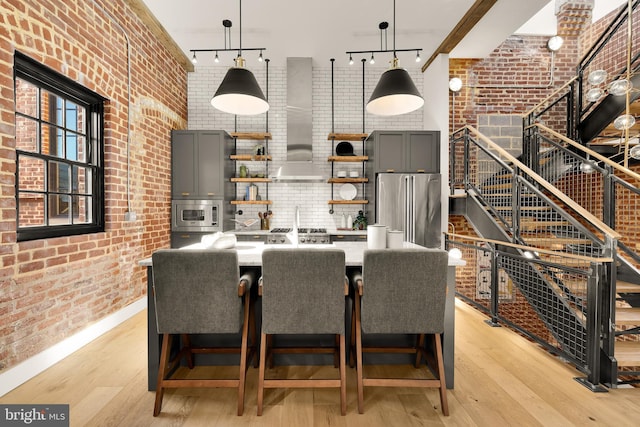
{"x": 299, "y": 166}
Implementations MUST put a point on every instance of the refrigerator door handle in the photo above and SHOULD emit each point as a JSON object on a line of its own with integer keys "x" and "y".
{"x": 413, "y": 209}
{"x": 407, "y": 208}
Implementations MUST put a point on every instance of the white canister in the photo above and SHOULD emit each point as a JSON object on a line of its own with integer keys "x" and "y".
{"x": 394, "y": 239}
{"x": 376, "y": 236}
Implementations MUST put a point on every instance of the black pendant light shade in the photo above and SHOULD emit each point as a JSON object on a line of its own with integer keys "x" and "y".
{"x": 395, "y": 94}
{"x": 239, "y": 93}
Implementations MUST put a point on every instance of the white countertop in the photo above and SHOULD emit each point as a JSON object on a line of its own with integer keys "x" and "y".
{"x": 265, "y": 232}
{"x": 250, "y": 253}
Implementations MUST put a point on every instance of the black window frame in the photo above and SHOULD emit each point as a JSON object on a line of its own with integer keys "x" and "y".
{"x": 45, "y": 78}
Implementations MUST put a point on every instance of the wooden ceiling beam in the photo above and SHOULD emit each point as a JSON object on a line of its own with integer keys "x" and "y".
{"x": 475, "y": 13}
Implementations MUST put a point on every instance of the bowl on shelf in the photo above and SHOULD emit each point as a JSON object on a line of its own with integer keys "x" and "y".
{"x": 344, "y": 148}
{"x": 353, "y": 174}
{"x": 342, "y": 174}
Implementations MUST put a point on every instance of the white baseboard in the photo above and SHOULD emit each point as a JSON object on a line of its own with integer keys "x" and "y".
{"x": 31, "y": 367}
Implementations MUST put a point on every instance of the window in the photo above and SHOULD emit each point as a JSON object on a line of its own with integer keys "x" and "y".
{"x": 59, "y": 154}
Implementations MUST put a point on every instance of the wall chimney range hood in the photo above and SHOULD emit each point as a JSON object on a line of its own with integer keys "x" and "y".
{"x": 299, "y": 166}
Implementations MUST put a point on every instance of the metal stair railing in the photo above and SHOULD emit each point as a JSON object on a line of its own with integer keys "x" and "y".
{"x": 571, "y": 293}
{"x": 609, "y": 191}
{"x": 534, "y": 213}
{"x": 528, "y": 207}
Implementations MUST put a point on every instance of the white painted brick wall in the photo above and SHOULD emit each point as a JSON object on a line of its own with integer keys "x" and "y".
{"x": 312, "y": 198}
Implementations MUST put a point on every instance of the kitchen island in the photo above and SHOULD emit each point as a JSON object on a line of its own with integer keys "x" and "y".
{"x": 250, "y": 256}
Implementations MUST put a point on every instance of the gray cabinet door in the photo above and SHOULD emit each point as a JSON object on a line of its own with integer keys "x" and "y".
{"x": 183, "y": 172}
{"x": 389, "y": 152}
{"x": 423, "y": 152}
{"x": 198, "y": 163}
{"x": 210, "y": 162}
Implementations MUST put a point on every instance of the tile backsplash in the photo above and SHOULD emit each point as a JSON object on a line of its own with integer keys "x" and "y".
{"x": 312, "y": 198}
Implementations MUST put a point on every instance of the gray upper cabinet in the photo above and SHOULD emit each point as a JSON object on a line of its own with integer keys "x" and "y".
{"x": 198, "y": 163}
{"x": 404, "y": 151}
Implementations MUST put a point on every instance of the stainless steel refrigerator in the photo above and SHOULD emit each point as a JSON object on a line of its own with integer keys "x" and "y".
{"x": 411, "y": 203}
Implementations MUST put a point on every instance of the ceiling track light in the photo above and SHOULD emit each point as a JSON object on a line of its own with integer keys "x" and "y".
{"x": 216, "y": 59}
{"x": 194, "y": 60}
{"x": 418, "y": 59}
{"x": 350, "y": 60}
{"x": 372, "y": 60}
{"x": 395, "y": 93}
{"x": 239, "y": 92}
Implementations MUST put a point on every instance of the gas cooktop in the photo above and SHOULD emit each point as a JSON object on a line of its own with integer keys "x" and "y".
{"x": 305, "y": 235}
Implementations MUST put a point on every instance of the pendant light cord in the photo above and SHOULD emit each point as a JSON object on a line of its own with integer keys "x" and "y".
{"x": 394, "y": 29}
{"x": 240, "y": 51}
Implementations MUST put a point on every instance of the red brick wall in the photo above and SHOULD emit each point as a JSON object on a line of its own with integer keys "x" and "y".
{"x": 53, "y": 288}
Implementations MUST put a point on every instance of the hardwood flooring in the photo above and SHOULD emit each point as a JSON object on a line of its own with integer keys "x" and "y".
{"x": 501, "y": 379}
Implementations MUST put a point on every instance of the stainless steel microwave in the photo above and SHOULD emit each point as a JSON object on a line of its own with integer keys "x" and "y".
{"x": 197, "y": 215}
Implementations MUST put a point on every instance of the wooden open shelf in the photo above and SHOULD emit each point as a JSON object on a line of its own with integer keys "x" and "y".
{"x": 256, "y": 136}
{"x": 250, "y": 179}
{"x": 347, "y": 180}
{"x": 250, "y": 157}
{"x": 348, "y": 159}
{"x": 347, "y": 136}
{"x": 348, "y": 202}
{"x": 251, "y": 202}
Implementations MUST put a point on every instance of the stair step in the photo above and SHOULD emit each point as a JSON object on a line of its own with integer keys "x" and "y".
{"x": 557, "y": 240}
{"x": 628, "y": 316}
{"x": 530, "y": 225}
{"x": 627, "y": 353}
{"x": 497, "y": 186}
{"x": 566, "y": 261}
{"x": 626, "y": 287}
{"x": 523, "y": 208}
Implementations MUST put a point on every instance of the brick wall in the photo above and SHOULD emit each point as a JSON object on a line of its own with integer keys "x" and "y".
{"x": 53, "y": 288}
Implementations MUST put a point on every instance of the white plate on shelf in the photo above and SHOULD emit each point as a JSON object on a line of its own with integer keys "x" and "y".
{"x": 348, "y": 191}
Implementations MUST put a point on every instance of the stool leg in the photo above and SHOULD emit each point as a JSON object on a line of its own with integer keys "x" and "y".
{"x": 359, "y": 373}
{"x": 443, "y": 384}
{"x": 263, "y": 360}
{"x": 162, "y": 371}
{"x": 419, "y": 349}
{"x": 343, "y": 376}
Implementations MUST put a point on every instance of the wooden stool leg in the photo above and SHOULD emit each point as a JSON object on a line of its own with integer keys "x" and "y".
{"x": 254, "y": 335}
{"x": 352, "y": 345}
{"x": 419, "y": 349}
{"x": 443, "y": 384}
{"x": 343, "y": 376}
{"x": 336, "y": 351}
{"x": 263, "y": 360}
{"x": 243, "y": 354}
{"x": 359, "y": 357}
{"x": 164, "y": 360}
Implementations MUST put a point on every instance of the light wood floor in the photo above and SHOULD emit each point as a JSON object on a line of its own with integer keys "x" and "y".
{"x": 501, "y": 379}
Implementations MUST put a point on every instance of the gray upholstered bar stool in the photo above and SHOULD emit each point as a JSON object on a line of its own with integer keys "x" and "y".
{"x": 200, "y": 292}
{"x": 402, "y": 291}
{"x": 303, "y": 292}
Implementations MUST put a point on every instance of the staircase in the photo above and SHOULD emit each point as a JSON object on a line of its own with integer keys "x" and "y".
{"x": 503, "y": 208}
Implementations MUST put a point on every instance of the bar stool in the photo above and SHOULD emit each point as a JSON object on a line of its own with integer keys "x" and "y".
{"x": 402, "y": 292}
{"x": 200, "y": 292}
{"x": 303, "y": 292}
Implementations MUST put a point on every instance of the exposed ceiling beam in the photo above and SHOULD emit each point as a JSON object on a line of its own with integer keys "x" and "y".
{"x": 143, "y": 12}
{"x": 475, "y": 13}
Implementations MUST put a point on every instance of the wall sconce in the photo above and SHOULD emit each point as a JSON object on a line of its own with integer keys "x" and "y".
{"x": 555, "y": 43}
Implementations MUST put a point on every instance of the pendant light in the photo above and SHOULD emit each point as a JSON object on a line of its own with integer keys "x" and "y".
{"x": 395, "y": 92}
{"x": 239, "y": 92}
